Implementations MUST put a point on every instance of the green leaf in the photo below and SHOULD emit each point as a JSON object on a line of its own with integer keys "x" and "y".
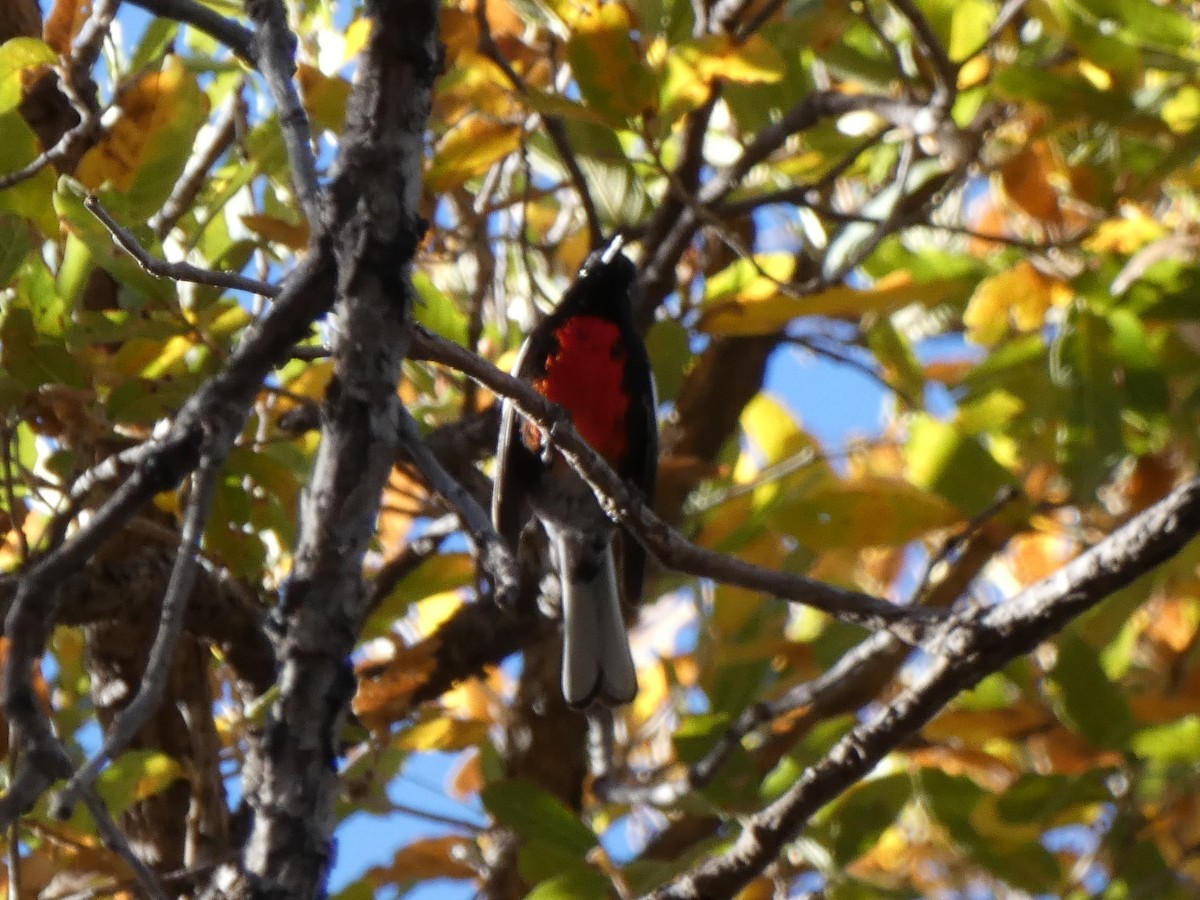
{"x": 1089, "y": 702}
{"x": 33, "y": 360}
{"x": 896, "y": 356}
{"x": 608, "y": 66}
{"x": 136, "y": 775}
{"x": 437, "y": 312}
{"x": 535, "y": 813}
{"x": 869, "y": 512}
{"x": 578, "y": 884}
{"x": 29, "y": 198}
{"x": 1039, "y": 798}
{"x": 17, "y": 55}
{"x": 1172, "y": 742}
{"x": 15, "y": 243}
{"x": 864, "y": 813}
{"x": 944, "y": 460}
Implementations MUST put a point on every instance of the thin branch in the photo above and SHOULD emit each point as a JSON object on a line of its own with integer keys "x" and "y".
{"x": 178, "y": 271}
{"x": 945, "y": 71}
{"x": 195, "y": 173}
{"x": 555, "y": 126}
{"x": 236, "y": 37}
{"x": 1007, "y": 15}
{"x": 114, "y": 839}
{"x": 10, "y": 492}
{"x": 963, "y": 651}
{"x": 414, "y": 552}
{"x": 179, "y": 878}
{"x": 219, "y": 405}
{"x": 174, "y": 605}
{"x": 276, "y": 46}
{"x": 890, "y": 221}
{"x": 495, "y": 557}
{"x": 668, "y": 545}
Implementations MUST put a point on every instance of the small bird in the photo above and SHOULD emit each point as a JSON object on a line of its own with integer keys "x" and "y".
{"x": 587, "y": 357}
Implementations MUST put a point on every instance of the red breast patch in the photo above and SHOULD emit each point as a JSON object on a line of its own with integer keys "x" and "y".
{"x": 586, "y": 376}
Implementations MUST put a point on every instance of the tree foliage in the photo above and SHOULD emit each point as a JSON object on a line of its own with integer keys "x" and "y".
{"x": 265, "y": 519}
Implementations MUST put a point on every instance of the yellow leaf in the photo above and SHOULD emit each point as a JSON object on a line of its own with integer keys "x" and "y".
{"x": 443, "y": 733}
{"x": 475, "y": 85}
{"x": 869, "y": 512}
{"x": 136, "y": 775}
{"x": 324, "y": 97}
{"x": 293, "y": 236}
{"x": 17, "y": 56}
{"x": 1022, "y": 294}
{"x": 149, "y": 142}
{"x": 609, "y": 67}
{"x": 357, "y": 36}
{"x": 470, "y": 149}
{"x": 773, "y": 429}
{"x": 752, "y": 61}
{"x": 733, "y": 606}
{"x": 1127, "y": 234}
{"x": 435, "y": 609}
{"x": 759, "y": 310}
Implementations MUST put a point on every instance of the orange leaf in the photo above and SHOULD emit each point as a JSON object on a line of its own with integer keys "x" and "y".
{"x": 466, "y": 779}
{"x": 1027, "y": 182}
{"x": 442, "y": 857}
{"x": 385, "y": 690}
{"x": 64, "y": 22}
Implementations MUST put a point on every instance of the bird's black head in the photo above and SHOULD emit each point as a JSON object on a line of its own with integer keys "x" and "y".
{"x": 604, "y": 286}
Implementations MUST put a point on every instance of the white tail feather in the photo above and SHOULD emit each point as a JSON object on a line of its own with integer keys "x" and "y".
{"x": 596, "y": 658}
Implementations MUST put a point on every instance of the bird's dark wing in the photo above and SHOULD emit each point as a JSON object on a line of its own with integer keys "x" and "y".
{"x": 516, "y": 466}
{"x": 641, "y": 466}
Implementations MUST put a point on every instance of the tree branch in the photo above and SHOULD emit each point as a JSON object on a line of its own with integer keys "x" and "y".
{"x": 291, "y": 778}
{"x": 276, "y": 48}
{"x": 962, "y": 652}
{"x": 237, "y": 38}
{"x": 174, "y": 605}
{"x": 671, "y": 548}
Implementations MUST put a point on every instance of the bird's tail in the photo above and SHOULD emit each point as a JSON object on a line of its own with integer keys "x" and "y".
{"x": 597, "y": 663}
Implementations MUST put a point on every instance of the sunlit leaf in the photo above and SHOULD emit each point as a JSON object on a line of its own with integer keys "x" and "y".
{"x": 610, "y": 70}
{"x": 16, "y": 56}
{"x": 536, "y": 814}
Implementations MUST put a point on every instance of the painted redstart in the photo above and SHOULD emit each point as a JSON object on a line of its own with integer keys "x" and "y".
{"x": 587, "y": 357}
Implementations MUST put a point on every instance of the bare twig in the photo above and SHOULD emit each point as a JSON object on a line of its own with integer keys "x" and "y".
{"x": 494, "y": 555}
{"x": 195, "y": 173}
{"x": 555, "y": 126}
{"x": 414, "y": 552}
{"x": 115, "y": 840}
{"x": 228, "y": 32}
{"x": 945, "y": 71}
{"x": 220, "y": 404}
{"x": 10, "y": 491}
{"x": 178, "y": 271}
{"x": 962, "y": 652}
{"x": 174, "y": 605}
{"x": 671, "y": 548}
{"x": 276, "y": 46}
